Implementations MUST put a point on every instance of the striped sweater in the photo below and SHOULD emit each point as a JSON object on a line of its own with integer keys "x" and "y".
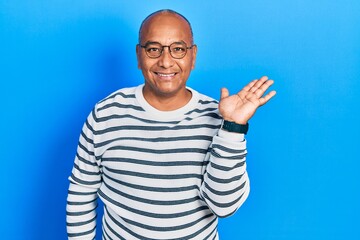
{"x": 160, "y": 175}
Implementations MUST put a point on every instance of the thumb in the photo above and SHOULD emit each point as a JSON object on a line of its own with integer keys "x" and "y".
{"x": 224, "y": 93}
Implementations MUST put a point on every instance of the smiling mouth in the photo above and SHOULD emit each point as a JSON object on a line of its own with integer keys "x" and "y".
{"x": 165, "y": 75}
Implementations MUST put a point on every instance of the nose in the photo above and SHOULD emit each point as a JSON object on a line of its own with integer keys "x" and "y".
{"x": 166, "y": 60}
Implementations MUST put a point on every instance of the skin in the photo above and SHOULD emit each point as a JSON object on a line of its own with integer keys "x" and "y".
{"x": 242, "y": 106}
{"x": 166, "y": 77}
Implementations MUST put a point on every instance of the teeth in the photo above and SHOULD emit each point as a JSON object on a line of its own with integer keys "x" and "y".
{"x": 166, "y": 75}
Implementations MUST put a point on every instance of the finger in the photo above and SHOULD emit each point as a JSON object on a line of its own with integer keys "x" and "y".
{"x": 266, "y": 98}
{"x": 262, "y": 89}
{"x": 248, "y": 86}
{"x": 224, "y": 93}
{"x": 259, "y": 83}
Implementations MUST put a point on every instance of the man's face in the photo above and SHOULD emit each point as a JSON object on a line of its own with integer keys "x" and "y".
{"x": 165, "y": 76}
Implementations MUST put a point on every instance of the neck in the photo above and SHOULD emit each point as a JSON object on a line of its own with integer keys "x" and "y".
{"x": 167, "y": 102}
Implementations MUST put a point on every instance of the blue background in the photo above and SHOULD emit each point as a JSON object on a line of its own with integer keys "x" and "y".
{"x": 58, "y": 58}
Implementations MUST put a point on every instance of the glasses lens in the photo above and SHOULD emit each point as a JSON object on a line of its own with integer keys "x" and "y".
{"x": 153, "y": 50}
{"x": 178, "y": 50}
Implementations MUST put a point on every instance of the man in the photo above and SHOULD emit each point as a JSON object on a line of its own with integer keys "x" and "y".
{"x": 166, "y": 160}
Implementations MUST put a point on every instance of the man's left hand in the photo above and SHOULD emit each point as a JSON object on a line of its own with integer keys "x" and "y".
{"x": 242, "y": 106}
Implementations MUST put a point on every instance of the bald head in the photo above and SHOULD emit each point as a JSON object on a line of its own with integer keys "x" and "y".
{"x": 161, "y": 15}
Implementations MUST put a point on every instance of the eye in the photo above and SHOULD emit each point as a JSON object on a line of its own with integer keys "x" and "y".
{"x": 178, "y": 49}
{"x": 152, "y": 49}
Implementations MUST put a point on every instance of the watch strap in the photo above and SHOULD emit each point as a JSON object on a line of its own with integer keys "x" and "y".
{"x": 235, "y": 127}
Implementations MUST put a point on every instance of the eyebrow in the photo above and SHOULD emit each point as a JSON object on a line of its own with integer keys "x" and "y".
{"x": 153, "y": 42}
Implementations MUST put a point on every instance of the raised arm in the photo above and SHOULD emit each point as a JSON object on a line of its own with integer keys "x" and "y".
{"x": 226, "y": 184}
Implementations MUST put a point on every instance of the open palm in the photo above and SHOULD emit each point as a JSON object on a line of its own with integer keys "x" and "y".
{"x": 242, "y": 106}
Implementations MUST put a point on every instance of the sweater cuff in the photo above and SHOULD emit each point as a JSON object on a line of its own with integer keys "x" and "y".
{"x": 236, "y": 137}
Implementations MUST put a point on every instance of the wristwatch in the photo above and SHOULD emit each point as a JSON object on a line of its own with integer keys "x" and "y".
{"x": 235, "y": 127}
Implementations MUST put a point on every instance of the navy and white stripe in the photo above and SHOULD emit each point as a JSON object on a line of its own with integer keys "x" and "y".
{"x": 161, "y": 175}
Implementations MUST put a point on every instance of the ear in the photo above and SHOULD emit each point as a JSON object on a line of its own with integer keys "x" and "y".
{"x": 138, "y": 50}
{"x": 194, "y": 52}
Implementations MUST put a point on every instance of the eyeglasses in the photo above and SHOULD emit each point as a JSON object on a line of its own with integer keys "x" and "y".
{"x": 177, "y": 49}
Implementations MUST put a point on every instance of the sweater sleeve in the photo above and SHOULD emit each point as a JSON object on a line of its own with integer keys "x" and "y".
{"x": 85, "y": 181}
{"x": 226, "y": 184}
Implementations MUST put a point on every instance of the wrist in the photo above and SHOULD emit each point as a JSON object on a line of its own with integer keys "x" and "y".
{"x": 235, "y": 127}
{"x": 238, "y": 121}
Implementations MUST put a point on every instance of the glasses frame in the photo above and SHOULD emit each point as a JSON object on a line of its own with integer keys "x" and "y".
{"x": 164, "y": 46}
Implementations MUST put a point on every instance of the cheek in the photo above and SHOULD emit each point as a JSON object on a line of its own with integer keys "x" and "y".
{"x": 144, "y": 64}
{"x": 186, "y": 66}
{"x": 150, "y": 63}
{"x": 188, "y": 62}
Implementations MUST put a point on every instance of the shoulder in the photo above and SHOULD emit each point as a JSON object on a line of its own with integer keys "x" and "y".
{"x": 122, "y": 98}
{"x": 205, "y": 106}
{"x": 204, "y": 100}
{"x": 121, "y": 94}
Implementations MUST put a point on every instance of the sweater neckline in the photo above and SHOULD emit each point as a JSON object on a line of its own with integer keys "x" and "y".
{"x": 166, "y": 115}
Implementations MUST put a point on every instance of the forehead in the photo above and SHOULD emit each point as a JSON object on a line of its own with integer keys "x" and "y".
{"x": 166, "y": 29}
